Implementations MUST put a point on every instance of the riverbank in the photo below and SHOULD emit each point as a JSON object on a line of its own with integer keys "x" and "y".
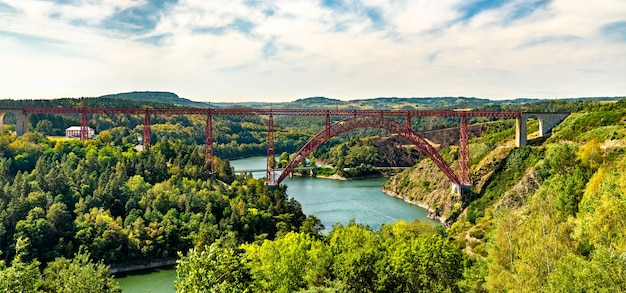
{"x": 432, "y": 214}
{"x": 142, "y": 265}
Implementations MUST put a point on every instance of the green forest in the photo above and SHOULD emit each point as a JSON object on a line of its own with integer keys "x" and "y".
{"x": 63, "y": 197}
{"x": 548, "y": 217}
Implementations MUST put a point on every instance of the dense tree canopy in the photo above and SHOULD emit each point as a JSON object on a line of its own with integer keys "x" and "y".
{"x": 120, "y": 205}
{"x": 401, "y": 257}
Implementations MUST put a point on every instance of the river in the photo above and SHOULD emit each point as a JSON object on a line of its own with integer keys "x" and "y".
{"x": 337, "y": 201}
{"x": 332, "y": 201}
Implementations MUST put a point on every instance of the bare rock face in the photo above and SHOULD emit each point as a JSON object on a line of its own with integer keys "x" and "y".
{"x": 426, "y": 186}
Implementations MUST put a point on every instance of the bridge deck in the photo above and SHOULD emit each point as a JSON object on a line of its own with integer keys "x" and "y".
{"x": 275, "y": 112}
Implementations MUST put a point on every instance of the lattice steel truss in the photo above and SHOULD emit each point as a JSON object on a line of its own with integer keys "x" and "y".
{"x": 358, "y": 119}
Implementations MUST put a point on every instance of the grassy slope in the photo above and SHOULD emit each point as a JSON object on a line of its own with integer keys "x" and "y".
{"x": 506, "y": 177}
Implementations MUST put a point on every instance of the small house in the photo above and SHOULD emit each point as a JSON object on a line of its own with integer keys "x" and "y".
{"x": 74, "y": 131}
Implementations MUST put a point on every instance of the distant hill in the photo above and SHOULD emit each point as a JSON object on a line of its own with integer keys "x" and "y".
{"x": 377, "y": 103}
{"x": 387, "y": 103}
{"x": 157, "y": 97}
{"x": 395, "y": 103}
{"x": 381, "y": 103}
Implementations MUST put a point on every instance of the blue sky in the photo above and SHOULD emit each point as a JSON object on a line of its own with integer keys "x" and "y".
{"x": 282, "y": 50}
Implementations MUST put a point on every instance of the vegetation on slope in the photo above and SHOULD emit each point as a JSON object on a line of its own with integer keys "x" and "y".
{"x": 542, "y": 218}
{"x": 63, "y": 197}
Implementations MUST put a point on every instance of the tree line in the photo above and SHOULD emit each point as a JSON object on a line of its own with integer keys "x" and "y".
{"x": 60, "y": 198}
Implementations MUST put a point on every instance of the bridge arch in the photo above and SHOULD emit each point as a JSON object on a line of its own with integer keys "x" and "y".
{"x": 21, "y": 119}
{"x": 362, "y": 122}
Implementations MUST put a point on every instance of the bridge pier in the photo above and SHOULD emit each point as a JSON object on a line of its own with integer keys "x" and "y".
{"x": 460, "y": 189}
{"x": 464, "y": 157}
{"x": 521, "y": 133}
{"x": 147, "y": 135}
{"x": 270, "y": 175}
{"x": 21, "y": 119}
{"x": 208, "y": 142}
{"x": 84, "y": 127}
{"x": 547, "y": 121}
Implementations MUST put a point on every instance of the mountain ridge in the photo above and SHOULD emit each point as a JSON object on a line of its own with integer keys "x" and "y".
{"x": 320, "y": 102}
{"x": 156, "y": 97}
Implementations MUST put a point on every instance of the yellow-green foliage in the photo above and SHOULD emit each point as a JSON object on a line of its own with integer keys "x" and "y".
{"x": 401, "y": 257}
{"x": 602, "y": 125}
{"x": 560, "y": 242}
{"x": 603, "y": 209}
{"x": 478, "y": 151}
{"x": 569, "y": 235}
{"x": 604, "y": 133}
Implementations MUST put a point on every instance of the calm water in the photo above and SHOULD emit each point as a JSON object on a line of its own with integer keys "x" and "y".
{"x": 338, "y": 201}
{"x": 332, "y": 201}
{"x": 150, "y": 280}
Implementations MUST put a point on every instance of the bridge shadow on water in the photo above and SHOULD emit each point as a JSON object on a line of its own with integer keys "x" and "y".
{"x": 145, "y": 271}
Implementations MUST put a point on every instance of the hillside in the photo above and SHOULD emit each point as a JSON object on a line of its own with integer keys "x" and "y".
{"x": 157, "y": 97}
{"x": 419, "y": 103}
{"x": 545, "y": 217}
{"x": 382, "y": 103}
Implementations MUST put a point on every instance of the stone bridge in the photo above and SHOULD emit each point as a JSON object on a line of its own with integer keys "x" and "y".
{"x": 21, "y": 119}
{"x": 547, "y": 121}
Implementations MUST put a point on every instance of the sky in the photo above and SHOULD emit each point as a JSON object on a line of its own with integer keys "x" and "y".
{"x": 283, "y": 50}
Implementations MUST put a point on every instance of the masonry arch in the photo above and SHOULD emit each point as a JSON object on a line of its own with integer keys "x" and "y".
{"x": 375, "y": 122}
{"x": 17, "y": 116}
{"x": 547, "y": 121}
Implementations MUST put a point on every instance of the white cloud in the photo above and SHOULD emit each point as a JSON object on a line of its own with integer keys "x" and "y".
{"x": 214, "y": 50}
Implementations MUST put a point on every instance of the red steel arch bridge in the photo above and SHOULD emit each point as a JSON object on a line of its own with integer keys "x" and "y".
{"x": 384, "y": 119}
